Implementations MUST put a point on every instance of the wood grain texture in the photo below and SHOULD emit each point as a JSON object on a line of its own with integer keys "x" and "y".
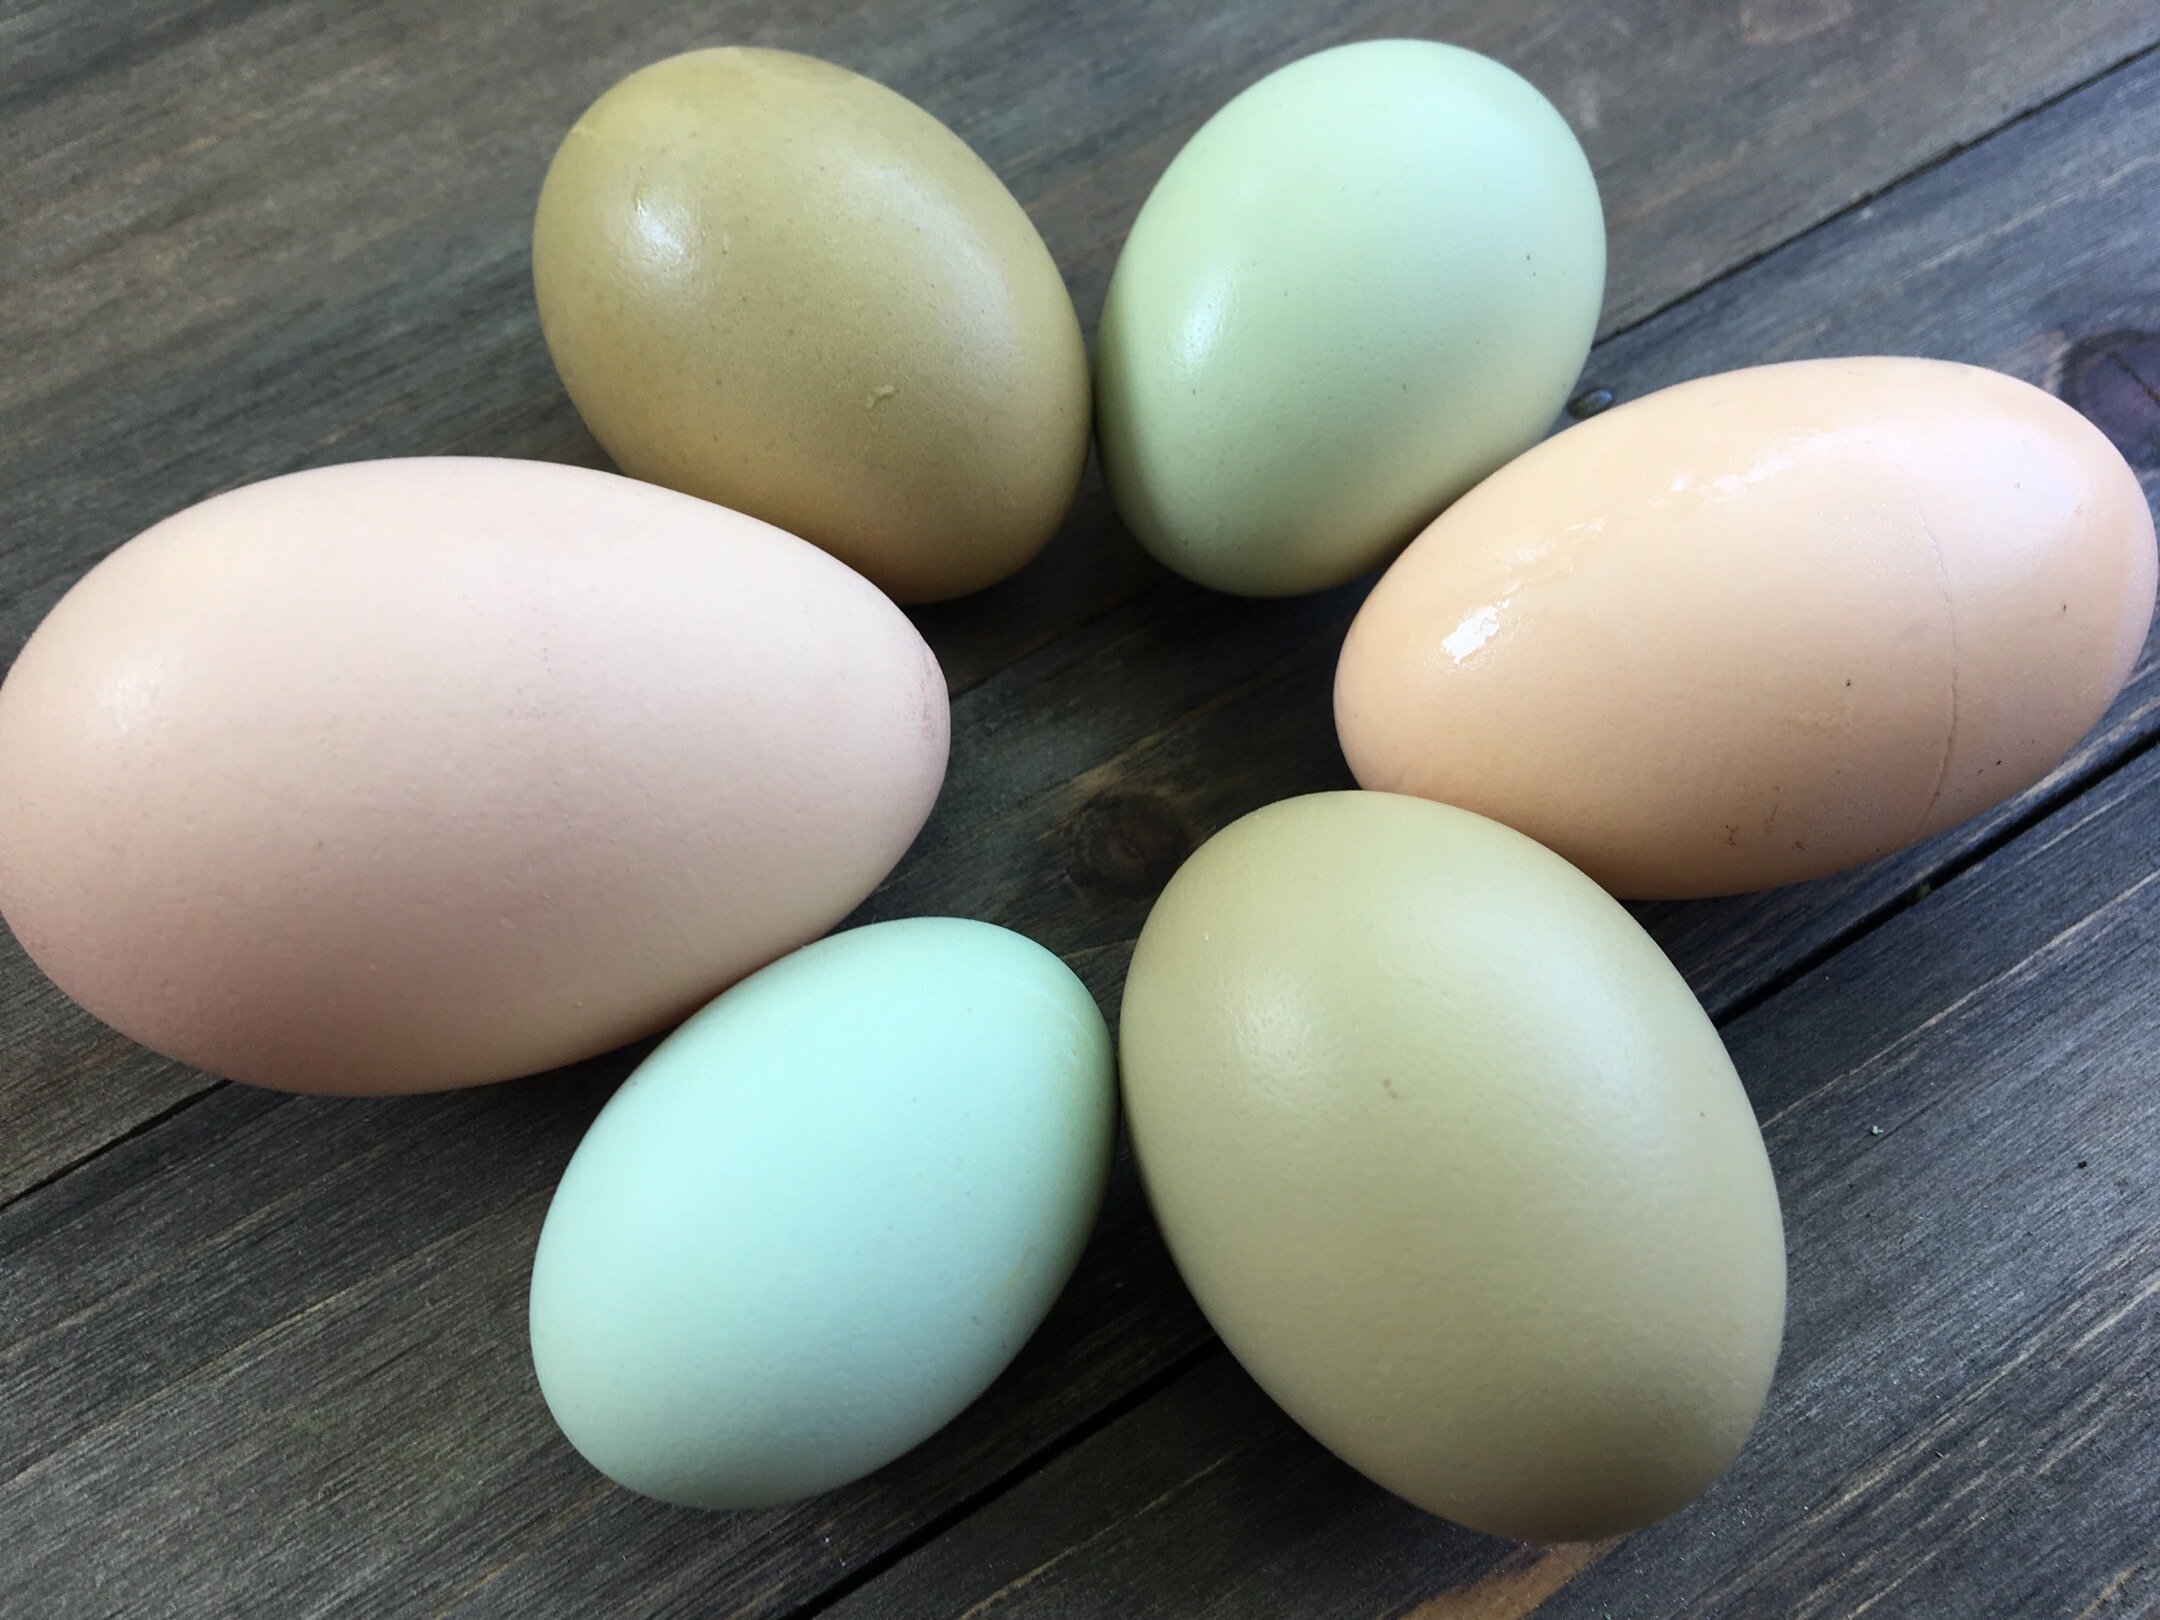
{"x": 1158, "y": 723}
{"x": 1073, "y": 852}
{"x": 266, "y": 1355}
{"x": 247, "y": 238}
{"x": 1963, "y": 1117}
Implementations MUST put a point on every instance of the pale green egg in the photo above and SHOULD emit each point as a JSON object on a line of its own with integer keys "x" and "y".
{"x": 824, "y": 1214}
{"x": 1363, "y": 285}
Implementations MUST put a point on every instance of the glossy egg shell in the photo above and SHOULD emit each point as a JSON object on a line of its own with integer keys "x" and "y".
{"x": 1454, "y": 1163}
{"x": 778, "y": 285}
{"x": 824, "y": 1214}
{"x": 411, "y": 774}
{"x": 1760, "y": 626}
{"x": 1361, "y": 286}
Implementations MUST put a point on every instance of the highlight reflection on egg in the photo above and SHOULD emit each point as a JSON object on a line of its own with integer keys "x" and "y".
{"x": 1761, "y": 626}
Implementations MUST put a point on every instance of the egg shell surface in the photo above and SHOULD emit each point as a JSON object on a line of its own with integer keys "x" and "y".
{"x": 781, "y": 286}
{"x": 824, "y": 1214}
{"x": 1455, "y": 1164}
{"x": 403, "y": 775}
{"x": 1760, "y": 626}
{"x": 1361, "y": 286}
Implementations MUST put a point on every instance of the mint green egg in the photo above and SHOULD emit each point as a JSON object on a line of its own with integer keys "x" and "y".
{"x": 1364, "y": 284}
{"x": 824, "y": 1214}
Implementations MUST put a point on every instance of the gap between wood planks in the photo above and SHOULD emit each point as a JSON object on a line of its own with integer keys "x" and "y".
{"x": 871, "y": 1568}
{"x": 2057, "y": 797}
{"x": 1739, "y": 267}
{"x": 1880, "y": 901}
{"x": 692, "y": 1582}
{"x": 1881, "y": 1073}
{"x": 1127, "y": 603}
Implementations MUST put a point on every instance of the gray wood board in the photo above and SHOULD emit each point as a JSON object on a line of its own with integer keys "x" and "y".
{"x": 2030, "y": 252}
{"x": 243, "y": 239}
{"x": 269, "y": 1352}
{"x": 1966, "y": 1416}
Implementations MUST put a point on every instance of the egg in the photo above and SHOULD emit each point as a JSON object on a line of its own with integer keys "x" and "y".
{"x": 825, "y": 1213}
{"x": 1760, "y": 626}
{"x": 778, "y": 285}
{"x": 1454, "y": 1163}
{"x": 1362, "y": 285}
{"x": 404, "y": 775}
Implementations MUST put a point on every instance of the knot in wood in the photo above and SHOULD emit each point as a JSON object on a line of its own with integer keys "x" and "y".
{"x": 1127, "y": 843}
{"x": 2113, "y": 381}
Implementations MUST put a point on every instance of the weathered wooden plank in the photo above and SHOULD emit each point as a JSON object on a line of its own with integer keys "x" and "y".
{"x": 1102, "y": 841}
{"x": 269, "y": 234}
{"x": 1156, "y": 724}
{"x": 200, "y": 1335}
{"x": 263, "y": 1256}
{"x": 1963, "y": 1117}
{"x": 251, "y": 237}
{"x": 194, "y": 1328}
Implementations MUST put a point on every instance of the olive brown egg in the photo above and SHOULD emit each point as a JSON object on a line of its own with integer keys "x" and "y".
{"x": 1455, "y": 1163}
{"x": 776, "y": 284}
{"x": 1760, "y": 626}
{"x": 404, "y": 775}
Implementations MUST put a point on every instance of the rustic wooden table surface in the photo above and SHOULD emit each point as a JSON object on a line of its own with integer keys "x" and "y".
{"x": 266, "y": 1356}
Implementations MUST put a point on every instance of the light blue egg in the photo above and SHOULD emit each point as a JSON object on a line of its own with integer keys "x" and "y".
{"x": 824, "y": 1214}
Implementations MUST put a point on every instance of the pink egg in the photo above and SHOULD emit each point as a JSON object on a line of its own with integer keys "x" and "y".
{"x": 406, "y": 775}
{"x": 1760, "y": 626}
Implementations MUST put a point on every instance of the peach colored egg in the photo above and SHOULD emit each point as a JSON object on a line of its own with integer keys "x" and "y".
{"x": 1759, "y": 626}
{"x": 414, "y": 774}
